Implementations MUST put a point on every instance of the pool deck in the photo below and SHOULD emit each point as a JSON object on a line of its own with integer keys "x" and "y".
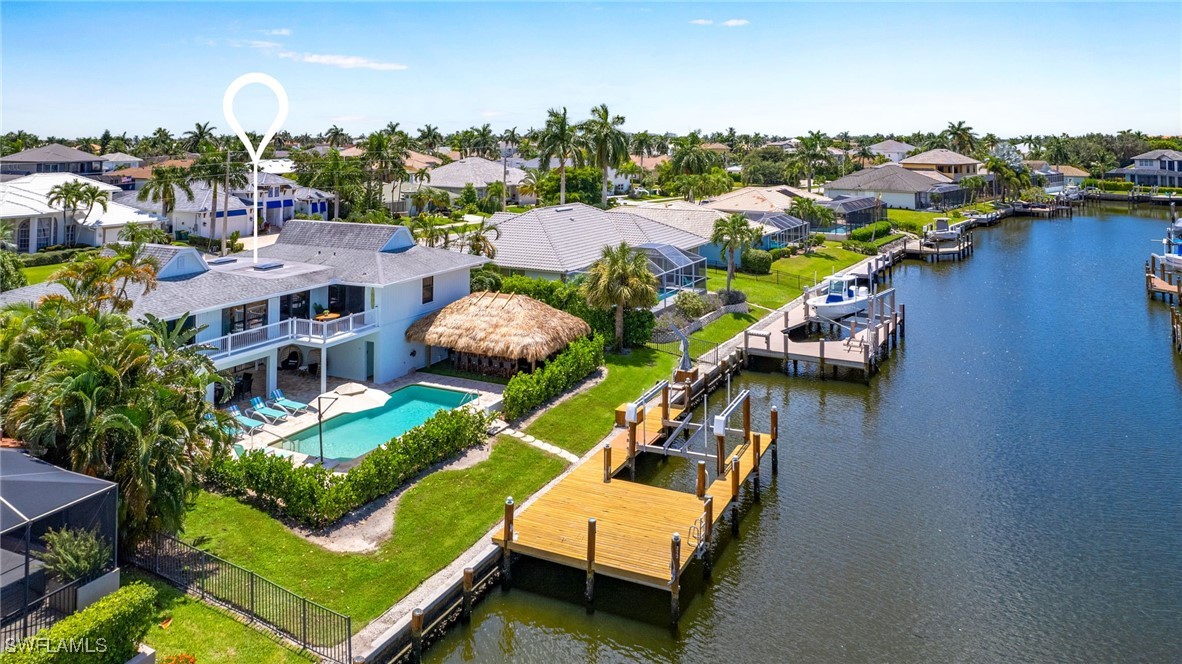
{"x": 374, "y": 396}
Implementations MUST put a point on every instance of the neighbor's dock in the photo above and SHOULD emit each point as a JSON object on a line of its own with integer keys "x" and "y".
{"x": 1162, "y": 280}
{"x": 641, "y": 534}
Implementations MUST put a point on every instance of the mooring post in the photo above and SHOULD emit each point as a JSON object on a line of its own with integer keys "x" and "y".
{"x": 416, "y": 634}
{"x": 589, "y": 593}
{"x": 775, "y": 441}
{"x": 755, "y": 441}
{"x": 720, "y": 452}
{"x": 675, "y": 578}
{"x": 902, "y": 321}
{"x": 632, "y": 451}
{"x": 469, "y": 591}
{"x": 822, "y": 358}
{"x": 701, "y": 479}
{"x": 607, "y": 462}
{"x": 708, "y": 536}
{"x": 507, "y": 535}
{"x": 735, "y": 478}
{"x": 664, "y": 404}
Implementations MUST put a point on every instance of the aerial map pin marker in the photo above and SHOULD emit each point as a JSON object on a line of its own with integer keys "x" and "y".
{"x": 255, "y": 153}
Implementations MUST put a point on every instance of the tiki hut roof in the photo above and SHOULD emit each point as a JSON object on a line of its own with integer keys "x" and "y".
{"x": 499, "y": 325}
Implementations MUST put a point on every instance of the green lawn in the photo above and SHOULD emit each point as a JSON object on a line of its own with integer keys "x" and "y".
{"x": 516, "y": 208}
{"x": 444, "y": 368}
{"x": 726, "y": 327}
{"x": 206, "y": 633}
{"x": 580, "y": 422}
{"x": 436, "y": 520}
{"x": 40, "y": 273}
{"x": 881, "y": 242}
{"x": 789, "y": 275}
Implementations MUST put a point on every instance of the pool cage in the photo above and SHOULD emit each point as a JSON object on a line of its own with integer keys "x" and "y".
{"x": 37, "y": 501}
{"x": 676, "y": 270}
{"x": 789, "y": 230}
{"x": 853, "y": 212}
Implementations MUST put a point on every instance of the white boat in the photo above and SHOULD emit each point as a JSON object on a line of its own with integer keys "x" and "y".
{"x": 942, "y": 232}
{"x": 842, "y": 298}
{"x": 1172, "y": 242}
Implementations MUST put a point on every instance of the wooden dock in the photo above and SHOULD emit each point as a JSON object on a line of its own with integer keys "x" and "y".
{"x": 1163, "y": 281}
{"x": 594, "y": 521}
{"x": 935, "y": 251}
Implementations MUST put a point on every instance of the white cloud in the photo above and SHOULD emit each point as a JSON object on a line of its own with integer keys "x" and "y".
{"x": 264, "y": 44}
{"x": 735, "y": 22}
{"x": 277, "y": 32}
{"x": 342, "y": 61}
{"x": 491, "y": 114}
{"x": 702, "y": 21}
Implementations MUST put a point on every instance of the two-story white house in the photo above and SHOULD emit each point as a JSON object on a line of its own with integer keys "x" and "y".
{"x": 326, "y": 299}
{"x": 893, "y": 150}
{"x": 1156, "y": 168}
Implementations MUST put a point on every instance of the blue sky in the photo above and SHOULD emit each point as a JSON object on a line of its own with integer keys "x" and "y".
{"x": 71, "y": 69}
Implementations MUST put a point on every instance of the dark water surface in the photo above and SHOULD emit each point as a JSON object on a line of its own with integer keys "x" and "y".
{"x": 1009, "y": 488}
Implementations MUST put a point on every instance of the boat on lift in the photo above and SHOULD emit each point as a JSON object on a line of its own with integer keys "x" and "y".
{"x": 943, "y": 233}
{"x": 1172, "y": 242}
{"x": 843, "y": 297}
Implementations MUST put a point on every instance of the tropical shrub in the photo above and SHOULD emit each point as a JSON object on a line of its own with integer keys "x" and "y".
{"x": 526, "y": 391}
{"x": 119, "y": 620}
{"x": 816, "y": 240}
{"x": 729, "y": 297}
{"x": 10, "y": 272}
{"x": 868, "y": 248}
{"x": 484, "y": 280}
{"x": 75, "y": 553}
{"x": 690, "y": 304}
{"x": 868, "y": 232}
{"x": 757, "y": 261}
{"x": 214, "y": 245}
{"x": 316, "y": 497}
{"x": 582, "y": 186}
{"x": 568, "y": 296}
{"x": 908, "y": 226}
{"x": 55, "y": 257}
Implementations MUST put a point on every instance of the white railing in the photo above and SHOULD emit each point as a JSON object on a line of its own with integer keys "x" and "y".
{"x": 292, "y": 329}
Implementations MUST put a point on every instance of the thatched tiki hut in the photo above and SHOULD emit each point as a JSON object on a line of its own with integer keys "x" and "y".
{"x": 498, "y": 333}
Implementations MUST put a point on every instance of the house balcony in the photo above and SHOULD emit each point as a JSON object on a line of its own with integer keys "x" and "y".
{"x": 293, "y": 330}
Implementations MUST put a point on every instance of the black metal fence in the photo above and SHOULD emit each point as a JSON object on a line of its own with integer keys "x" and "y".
{"x": 698, "y": 349}
{"x": 39, "y": 614}
{"x": 308, "y": 624}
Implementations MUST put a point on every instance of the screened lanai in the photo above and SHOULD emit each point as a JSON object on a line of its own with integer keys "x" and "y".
{"x": 789, "y": 229}
{"x": 676, "y": 270}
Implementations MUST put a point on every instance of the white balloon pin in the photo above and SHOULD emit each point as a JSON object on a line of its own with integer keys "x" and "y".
{"x": 256, "y": 153}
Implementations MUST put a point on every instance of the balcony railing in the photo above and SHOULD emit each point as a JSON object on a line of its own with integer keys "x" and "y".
{"x": 300, "y": 330}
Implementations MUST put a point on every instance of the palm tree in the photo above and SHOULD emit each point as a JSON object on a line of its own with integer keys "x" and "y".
{"x": 67, "y": 195}
{"x": 643, "y": 145}
{"x": 811, "y": 153}
{"x": 337, "y": 174}
{"x": 620, "y": 279}
{"x": 690, "y": 157}
{"x": 164, "y": 187}
{"x": 211, "y": 169}
{"x": 201, "y": 134}
{"x": 90, "y": 196}
{"x": 607, "y": 142}
{"x": 530, "y": 185}
{"x": 480, "y": 240}
{"x": 430, "y": 138}
{"x": 812, "y": 212}
{"x": 733, "y": 235}
{"x": 558, "y": 140}
{"x": 336, "y": 137}
{"x": 961, "y": 137}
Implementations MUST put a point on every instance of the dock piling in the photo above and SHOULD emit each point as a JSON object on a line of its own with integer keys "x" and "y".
{"x": 701, "y": 490}
{"x": 469, "y": 590}
{"x": 675, "y": 579}
{"x": 607, "y": 463}
{"x": 755, "y": 468}
{"x": 416, "y": 634}
{"x": 775, "y": 441}
{"x": 506, "y": 572}
{"x": 589, "y": 593}
{"x": 632, "y": 451}
{"x": 720, "y": 453}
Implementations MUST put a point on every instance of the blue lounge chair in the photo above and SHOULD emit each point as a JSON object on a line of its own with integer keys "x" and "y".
{"x": 248, "y": 423}
{"x": 231, "y": 430}
{"x": 266, "y": 412}
{"x": 277, "y": 399}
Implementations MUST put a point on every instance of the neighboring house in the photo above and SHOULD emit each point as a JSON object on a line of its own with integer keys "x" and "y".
{"x": 416, "y": 161}
{"x": 896, "y": 187}
{"x": 52, "y": 158}
{"x": 787, "y": 145}
{"x": 560, "y": 242}
{"x": 777, "y": 229}
{"x": 134, "y": 178}
{"x": 117, "y": 160}
{"x": 253, "y": 316}
{"x": 716, "y": 148}
{"x": 397, "y": 196}
{"x": 947, "y": 162}
{"x": 1052, "y": 179}
{"x": 1156, "y": 168}
{"x": 617, "y": 184}
{"x": 278, "y": 166}
{"x": 36, "y": 224}
{"x": 776, "y": 198}
{"x": 857, "y": 211}
{"x": 893, "y": 150}
{"x": 353, "y": 151}
{"x": 1071, "y": 174}
{"x": 280, "y": 199}
{"x": 650, "y": 162}
{"x": 480, "y": 173}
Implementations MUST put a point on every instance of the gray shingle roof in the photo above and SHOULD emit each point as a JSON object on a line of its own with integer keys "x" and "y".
{"x": 52, "y": 153}
{"x": 337, "y": 234}
{"x": 1160, "y": 154}
{"x": 891, "y": 178}
{"x": 475, "y": 170}
{"x": 162, "y": 254}
{"x": 569, "y": 238}
{"x": 202, "y": 200}
{"x": 121, "y": 156}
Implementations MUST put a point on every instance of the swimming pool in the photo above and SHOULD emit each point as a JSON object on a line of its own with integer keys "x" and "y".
{"x": 350, "y": 435}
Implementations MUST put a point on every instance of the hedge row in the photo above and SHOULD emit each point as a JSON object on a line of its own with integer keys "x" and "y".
{"x": 909, "y": 226}
{"x": 316, "y": 497}
{"x": 638, "y": 323}
{"x": 871, "y": 231}
{"x": 756, "y": 261}
{"x": 868, "y": 248}
{"x": 106, "y": 632}
{"x": 214, "y": 245}
{"x": 51, "y": 256}
{"x": 527, "y": 391}
{"x": 1123, "y": 186}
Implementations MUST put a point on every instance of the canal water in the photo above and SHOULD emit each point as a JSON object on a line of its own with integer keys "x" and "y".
{"x": 1008, "y": 488}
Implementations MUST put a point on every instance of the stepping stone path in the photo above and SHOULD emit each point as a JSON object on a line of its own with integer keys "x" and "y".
{"x": 545, "y": 447}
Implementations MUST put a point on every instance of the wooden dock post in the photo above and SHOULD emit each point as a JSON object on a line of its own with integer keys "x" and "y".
{"x": 701, "y": 479}
{"x": 822, "y": 358}
{"x": 735, "y": 496}
{"x": 589, "y": 592}
{"x": 632, "y": 451}
{"x": 902, "y": 321}
{"x": 507, "y": 535}
{"x": 675, "y": 578}
{"x": 746, "y": 419}
{"x": 607, "y": 463}
{"x": 755, "y": 441}
{"x": 664, "y": 404}
{"x": 469, "y": 592}
{"x": 720, "y": 451}
{"x": 416, "y": 635}
{"x": 708, "y": 536}
{"x": 775, "y": 441}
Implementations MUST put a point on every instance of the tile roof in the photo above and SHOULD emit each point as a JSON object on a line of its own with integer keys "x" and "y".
{"x": 201, "y": 201}
{"x": 891, "y": 145}
{"x": 1152, "y": 154}
{"x": 145, "y": 172}
{"x": 940, "y": 157}
{"x": 684, "y": 215}
{"x": 120, "y": 156}
{"x": 1071, "y": 171}
{"x": 28, "y": 196}
{"x": 650, "y": 163}
{"x": 42, "y": 183}
{"x": 475, "y": 170}
{"x": 886, "y": 178}
{"x": 49, "y": 154}
{"x": 570, "y": 238}
{"x": 760, "y": 199}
